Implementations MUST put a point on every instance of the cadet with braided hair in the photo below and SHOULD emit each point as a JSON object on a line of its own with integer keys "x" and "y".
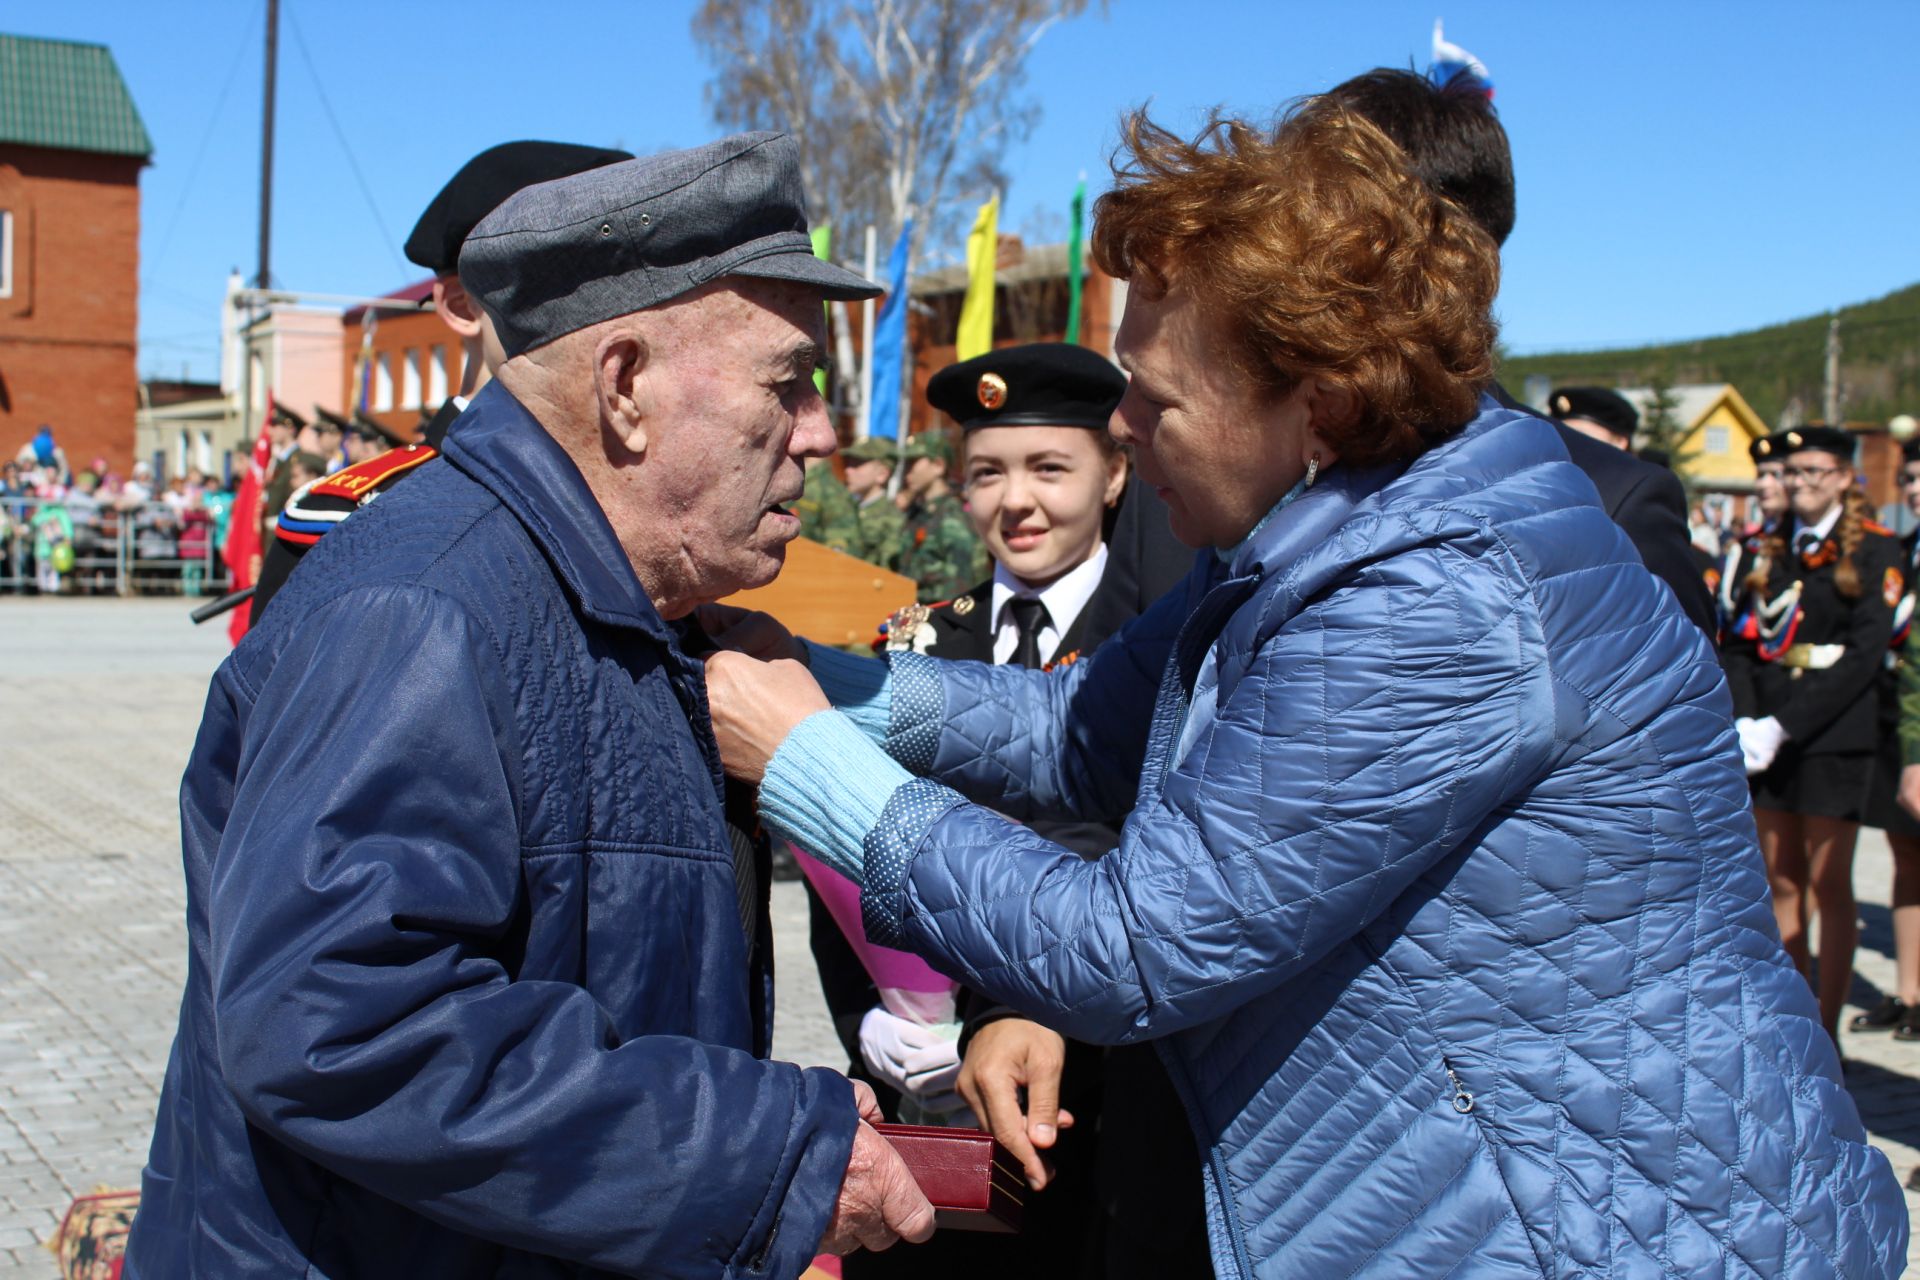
{"x": 1803, "y": 655}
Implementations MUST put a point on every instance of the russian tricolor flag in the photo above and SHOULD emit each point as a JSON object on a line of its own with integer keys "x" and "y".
{"x": 1450, "y": 60}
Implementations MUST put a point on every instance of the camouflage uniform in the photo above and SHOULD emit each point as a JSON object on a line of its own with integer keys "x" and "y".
{"x": 939, "y": 549}
{"x": 882, "y": 532}
{"x": 826, "y": 510}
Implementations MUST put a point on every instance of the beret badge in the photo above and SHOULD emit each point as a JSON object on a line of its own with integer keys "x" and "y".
{"x": 992, "y": 391}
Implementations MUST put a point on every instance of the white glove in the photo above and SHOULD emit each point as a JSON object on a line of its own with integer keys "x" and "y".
{"x": 1760, "y": 742}
{"x": 920, "y": 1061}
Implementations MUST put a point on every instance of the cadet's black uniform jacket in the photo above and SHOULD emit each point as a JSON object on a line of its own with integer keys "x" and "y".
{"x": 1830, "y": 710}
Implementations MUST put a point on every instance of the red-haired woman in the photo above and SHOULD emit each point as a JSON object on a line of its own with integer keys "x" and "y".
{"x": 1437, "y": 893}
{"x": 1804, "y": 655}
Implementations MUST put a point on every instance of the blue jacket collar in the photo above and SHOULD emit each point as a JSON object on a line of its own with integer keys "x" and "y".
{"x": 1302, "y": 523}
{"x": 505, "y": 449}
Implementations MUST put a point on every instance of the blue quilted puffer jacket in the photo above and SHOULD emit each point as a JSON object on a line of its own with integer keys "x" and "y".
{"x": 1441, "y": 896}
{"x": 470, "y": 990}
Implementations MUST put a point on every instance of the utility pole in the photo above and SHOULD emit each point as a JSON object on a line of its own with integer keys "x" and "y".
{"x": 1833, "y": 373}
{"x": 266, "y": 147}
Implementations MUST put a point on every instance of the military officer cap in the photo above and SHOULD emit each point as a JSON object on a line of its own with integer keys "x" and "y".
{"x": 285, "y": 417}
{"x": 928, "y": 444}
{"x": 559, "y": 256}
{"x": 1040, "y": 384}
{"x": 1826, "y": 439}
{"x": 872, "y": 449}
{"x": 366, "y": 428}
{"x": 483, "y": 183}
{"x": 1600, "y": 405}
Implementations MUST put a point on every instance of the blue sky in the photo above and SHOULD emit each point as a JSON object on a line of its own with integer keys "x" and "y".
{"x": 1684, "y": 168}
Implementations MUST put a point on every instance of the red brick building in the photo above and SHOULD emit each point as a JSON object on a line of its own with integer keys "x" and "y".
{"x": 403, "y": 365}
{"x": 71, "y": 149}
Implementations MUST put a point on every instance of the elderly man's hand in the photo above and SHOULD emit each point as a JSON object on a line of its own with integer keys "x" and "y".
{"x": 1003, "y": 1058}
{"x": 879, "y": 1200}
{"x": 758, "y": 635}
{"x": 755, "y": 705}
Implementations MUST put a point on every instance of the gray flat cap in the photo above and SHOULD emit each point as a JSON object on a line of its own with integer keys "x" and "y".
{"x": 561, "y": 255}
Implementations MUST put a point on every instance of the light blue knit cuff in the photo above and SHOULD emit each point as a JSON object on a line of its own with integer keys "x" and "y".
{"x": 861, "y": 687}
{"x": 825, "y": 790}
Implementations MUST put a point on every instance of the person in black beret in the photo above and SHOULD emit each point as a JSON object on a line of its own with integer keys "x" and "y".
{"x": 1769, "y": 454}
{"x": 1804, "y": 657}
{"x": 1042, "y": 478}
{"x": 1895, "y": 798}
{"x": 479, "y": 188}
{"x": 1597, "y": 412}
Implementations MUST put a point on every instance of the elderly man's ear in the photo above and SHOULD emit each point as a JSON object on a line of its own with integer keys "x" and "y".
{"x": 623, "y": 377}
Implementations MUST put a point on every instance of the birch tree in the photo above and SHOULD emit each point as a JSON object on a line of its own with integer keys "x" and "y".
{"x": 902, "y": 107}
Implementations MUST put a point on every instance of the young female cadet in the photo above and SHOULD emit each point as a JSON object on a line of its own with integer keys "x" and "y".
{"x": 1803, "y": 657}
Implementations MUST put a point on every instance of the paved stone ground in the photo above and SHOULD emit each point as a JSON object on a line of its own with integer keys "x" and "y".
{"x": 99, "y": 701}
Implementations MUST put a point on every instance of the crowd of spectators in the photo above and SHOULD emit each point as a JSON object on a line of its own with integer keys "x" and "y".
{"x": 91, "y": 529}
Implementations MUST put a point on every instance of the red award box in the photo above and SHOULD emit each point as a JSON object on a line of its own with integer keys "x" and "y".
{"x": 973, "y": 1182}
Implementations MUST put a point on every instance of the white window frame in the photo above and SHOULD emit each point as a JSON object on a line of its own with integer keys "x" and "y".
{"x": 382, "y": 382}
{"x": 437, "y": 376}
{"x": 1719, "y": 440}
{"x": 6, "y": 253}
{"x": 410, "y": 378}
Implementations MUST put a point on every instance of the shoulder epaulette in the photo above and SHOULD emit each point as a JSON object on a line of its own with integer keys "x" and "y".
{"x": 318, "y": 505}
{"x": 364, "y": 478}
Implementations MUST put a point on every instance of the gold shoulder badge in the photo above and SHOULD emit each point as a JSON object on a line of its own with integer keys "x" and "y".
{"x": 963, "y": 606}
{"x": 992, "y": 391}
{"x": 1892, "y": 587}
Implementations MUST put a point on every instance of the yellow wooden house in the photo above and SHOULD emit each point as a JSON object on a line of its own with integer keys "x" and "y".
{"x": 1720, "y": 425}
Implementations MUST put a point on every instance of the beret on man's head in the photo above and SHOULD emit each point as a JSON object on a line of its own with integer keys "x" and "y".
{"x": 559, "y": 256}
{"x": 483, "y": 183}
{"x": 1768, "y": 448}
{"x": 1039, "y": 384}
{"x": 1600, "y": 405}
{"x": 1832, "y": 440}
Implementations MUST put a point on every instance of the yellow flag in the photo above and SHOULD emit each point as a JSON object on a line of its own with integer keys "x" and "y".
{"x": 976, "y": 313}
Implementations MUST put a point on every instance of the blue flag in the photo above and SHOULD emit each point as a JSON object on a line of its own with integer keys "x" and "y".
{"x": 890, "y": 344}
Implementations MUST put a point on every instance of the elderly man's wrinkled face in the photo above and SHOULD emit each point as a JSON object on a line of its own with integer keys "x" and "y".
{"x": 731, "y": 388}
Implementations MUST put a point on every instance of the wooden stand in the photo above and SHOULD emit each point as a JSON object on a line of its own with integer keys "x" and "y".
{"x": 827, "y": 596}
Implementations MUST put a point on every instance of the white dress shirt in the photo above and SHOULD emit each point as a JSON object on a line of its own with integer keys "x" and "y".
{"x": 1064, "y": 599}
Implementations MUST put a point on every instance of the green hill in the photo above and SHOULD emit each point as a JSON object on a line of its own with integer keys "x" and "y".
{"x": 1879, "y": 366}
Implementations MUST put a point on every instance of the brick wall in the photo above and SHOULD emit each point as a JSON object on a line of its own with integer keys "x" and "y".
{"x": 67, "y": 332}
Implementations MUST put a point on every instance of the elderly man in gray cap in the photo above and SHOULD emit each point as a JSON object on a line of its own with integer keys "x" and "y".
{"x": 477, "y": 983}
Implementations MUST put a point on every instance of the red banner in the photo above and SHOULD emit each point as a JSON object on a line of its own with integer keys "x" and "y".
{"x": 242, "y": 552}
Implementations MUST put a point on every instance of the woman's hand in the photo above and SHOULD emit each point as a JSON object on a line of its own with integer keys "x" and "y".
{"x": 755, "y": 705}
{"x": 758, "y": 635}
{"x": 1002, "y": 1058}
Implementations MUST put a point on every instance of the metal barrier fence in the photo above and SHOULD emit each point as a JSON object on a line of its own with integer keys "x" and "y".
{"x": 148, "y": 549}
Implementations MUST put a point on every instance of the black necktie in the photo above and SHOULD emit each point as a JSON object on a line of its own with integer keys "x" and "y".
{"x": 1028, "y": 617}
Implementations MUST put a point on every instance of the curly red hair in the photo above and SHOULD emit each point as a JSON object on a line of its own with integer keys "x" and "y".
{"x": 1325, "y": 256}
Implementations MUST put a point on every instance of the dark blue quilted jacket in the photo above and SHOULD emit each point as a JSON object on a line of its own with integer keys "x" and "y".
{"x": 469, "y": 992}
{"x": 1441, "y": 896}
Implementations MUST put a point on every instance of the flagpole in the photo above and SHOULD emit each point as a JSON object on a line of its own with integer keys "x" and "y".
{"x": 866, "y": 337}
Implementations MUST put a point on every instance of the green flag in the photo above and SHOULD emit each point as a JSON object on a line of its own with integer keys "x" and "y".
{"x": 1074, "y": 268}
{"x": 823, "y": 250}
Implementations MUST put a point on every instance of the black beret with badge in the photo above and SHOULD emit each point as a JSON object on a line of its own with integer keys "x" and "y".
{"x": 1040, "y": 384}
{"x": 1768, "y": 448}
{"x": 1832, "y": 440}
{"x": 1602, "y": 406}
{"x": 483, "y": 184}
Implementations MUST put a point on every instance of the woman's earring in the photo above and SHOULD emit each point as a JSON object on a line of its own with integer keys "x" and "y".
{"x": 1313, "y": 470}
